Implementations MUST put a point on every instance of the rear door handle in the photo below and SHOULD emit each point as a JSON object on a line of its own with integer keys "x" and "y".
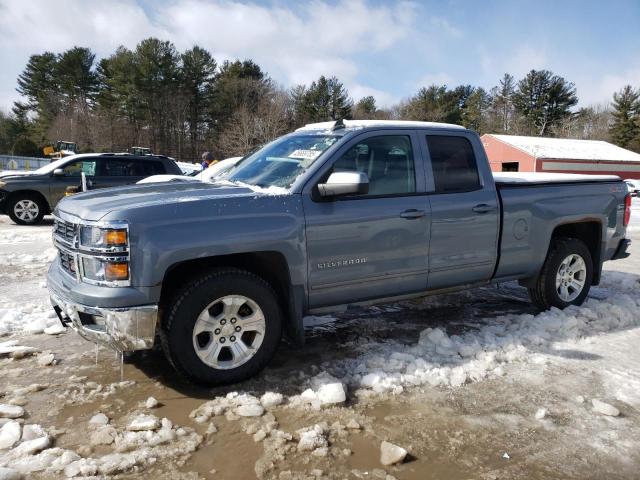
{"x": 483, "y": 208}
{"x": 412, "y": 213}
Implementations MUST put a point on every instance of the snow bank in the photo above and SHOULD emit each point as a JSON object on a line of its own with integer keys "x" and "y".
{"x": 453, "y": 360}
{"x": 439, "y": 359}
{"x": 28, "y": 318}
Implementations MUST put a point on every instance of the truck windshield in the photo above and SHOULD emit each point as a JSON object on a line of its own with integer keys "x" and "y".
{"x": 280, "y": 162}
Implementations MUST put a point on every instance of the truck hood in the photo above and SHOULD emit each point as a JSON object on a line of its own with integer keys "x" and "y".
{"x": 94, "y": 205}
{"x": 18, "y": 175}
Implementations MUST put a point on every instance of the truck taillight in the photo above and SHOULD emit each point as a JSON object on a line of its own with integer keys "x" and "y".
{"x": 627, "y": 210}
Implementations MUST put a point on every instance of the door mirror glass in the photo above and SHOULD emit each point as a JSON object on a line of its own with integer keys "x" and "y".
{"x": 58, "y": 172}
{"x": 344, "y": 183}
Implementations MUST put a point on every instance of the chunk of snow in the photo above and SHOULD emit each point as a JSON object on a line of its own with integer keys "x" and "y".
{"x": 312, "y": 439}
{"x": 250, "y": 410}
{"x": 99, "y": 419}
{"x": 10, "y": 434}
{"x": 391, "y": 454}
{"x": 604, "y": 408}
{"x": 506, "y": 456}
{"x": 32, "y": 431}
{"x": 11, "y": 411}
{"x": 353, "y": 425}
{"x": 541, "y": 413}
{"x": 144, "y": 423}
{"x": 105, "y": 435}
{"x": 151, "y": 402}
{"x": 271, "y": 399}
{"x": 9, "y": 474}
{"x": 32, "y": 446}
{"x": 45, "y": 359}
{"x": 55, "y": 329}
{"x": 309, "y": 395}
{"x": 332, "y": 393}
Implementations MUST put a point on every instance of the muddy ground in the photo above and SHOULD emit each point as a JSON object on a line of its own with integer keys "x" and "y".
{"x": 486, "y": 429}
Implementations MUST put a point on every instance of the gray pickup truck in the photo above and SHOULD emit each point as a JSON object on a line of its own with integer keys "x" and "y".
{"x": 331, "y": 215}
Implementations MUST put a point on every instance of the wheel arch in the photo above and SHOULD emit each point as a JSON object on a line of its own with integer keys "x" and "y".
{"x": 11, "y": 197}
{"x": 590, "y": 232}
{"x": 271, "y": 266}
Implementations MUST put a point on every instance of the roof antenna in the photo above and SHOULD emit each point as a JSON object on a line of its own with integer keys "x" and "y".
{"x": 338, "y": 125}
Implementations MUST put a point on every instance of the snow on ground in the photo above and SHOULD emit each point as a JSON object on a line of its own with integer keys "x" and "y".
{"x": 27, "y": 319}
{"x": 438, "y": 359}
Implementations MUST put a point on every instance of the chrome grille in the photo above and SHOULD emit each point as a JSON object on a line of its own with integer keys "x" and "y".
{"x": 68, "y": 262}
{"x": 64, "y": 231}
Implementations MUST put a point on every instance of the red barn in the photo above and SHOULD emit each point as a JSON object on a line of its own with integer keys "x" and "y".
{"x": 512, "y": 153}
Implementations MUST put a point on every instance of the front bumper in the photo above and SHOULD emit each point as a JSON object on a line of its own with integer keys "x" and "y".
{"x": 123, "y": 329}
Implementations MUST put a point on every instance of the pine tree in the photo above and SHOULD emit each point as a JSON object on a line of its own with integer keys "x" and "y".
{"x": 197, "y": 76}
{"x": 625, "y": 128}
{"x": 365, "y": 108}
{"x": 503, "y": 102}
{"x": 38, "y": 84}
{"x": 76, "y": 80}
{"x": 474, "y": 110}
{"x": 326, "y": 99}
{"x": 156, "y": 82}
{"x": 544, "y": 100}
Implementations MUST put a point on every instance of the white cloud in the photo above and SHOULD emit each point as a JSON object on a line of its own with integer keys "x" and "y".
{"x": 445, "y": 26}
{"x": 596, "y": 91}
{"x": 383, "y": 99}
{"x": 295, "y": 45}
{"x": 438, "y": 78}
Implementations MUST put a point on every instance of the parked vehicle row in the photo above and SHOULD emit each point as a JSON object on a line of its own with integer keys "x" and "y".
{"x": 331, "y": 215}
{"x": 26, "y": 198}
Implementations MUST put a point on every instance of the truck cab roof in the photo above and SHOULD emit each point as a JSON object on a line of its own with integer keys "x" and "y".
{"x": 362, "y": 124}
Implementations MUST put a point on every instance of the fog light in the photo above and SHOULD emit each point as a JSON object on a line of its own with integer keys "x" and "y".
{"x": 116, "y": 271}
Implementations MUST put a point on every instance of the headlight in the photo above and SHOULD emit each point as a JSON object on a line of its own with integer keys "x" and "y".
{"x": 103, "y": 237}
{"x": 99, "y": 270}
{"x": 2, "y": 184}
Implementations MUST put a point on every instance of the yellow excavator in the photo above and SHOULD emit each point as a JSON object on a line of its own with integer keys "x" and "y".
{"x": 60, "y": 150}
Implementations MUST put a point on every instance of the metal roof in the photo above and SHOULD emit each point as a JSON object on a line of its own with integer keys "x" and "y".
{"x": 569, "y": 149}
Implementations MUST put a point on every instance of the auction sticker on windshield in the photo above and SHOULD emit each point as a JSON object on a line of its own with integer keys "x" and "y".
{"x": 305, "y": 154}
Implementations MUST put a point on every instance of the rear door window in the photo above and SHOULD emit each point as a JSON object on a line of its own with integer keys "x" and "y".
{"x": 133, "y": 168}
{"x": 454, "y": 164}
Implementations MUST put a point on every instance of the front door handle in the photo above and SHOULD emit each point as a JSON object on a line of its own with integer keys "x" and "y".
{"x": 483, "y": 208}
{"x": 412, "y": 213}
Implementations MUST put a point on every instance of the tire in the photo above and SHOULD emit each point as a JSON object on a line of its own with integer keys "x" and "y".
{"x": 26, "y": 209}
{"x": 200, "y": 306}
{"x": 564, "y": 252}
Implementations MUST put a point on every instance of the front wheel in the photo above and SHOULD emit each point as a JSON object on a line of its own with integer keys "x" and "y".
{"x": 222, "y": 328}
{"x": 26, "y": 209}
{"x": 566, "y": 276}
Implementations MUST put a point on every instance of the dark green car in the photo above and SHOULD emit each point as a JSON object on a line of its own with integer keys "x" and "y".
{"x": 27, "y": 197}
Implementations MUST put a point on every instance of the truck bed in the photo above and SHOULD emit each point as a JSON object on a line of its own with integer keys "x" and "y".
{"x": 533, "y": 205}
{"x": 535, "y": 178}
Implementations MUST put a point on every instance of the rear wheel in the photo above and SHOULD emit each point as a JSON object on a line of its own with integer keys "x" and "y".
{"x": 26, "y": 209}
{"x": 566, "y": 276}
{"x": 222, "y": 328}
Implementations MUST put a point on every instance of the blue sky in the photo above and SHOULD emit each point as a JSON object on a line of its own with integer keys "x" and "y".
{"x": 388, "y": 49}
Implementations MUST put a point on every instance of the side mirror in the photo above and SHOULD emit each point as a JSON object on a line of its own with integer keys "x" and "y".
{"x": 344, "y": 183}
{"x": 58, "y": 172}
